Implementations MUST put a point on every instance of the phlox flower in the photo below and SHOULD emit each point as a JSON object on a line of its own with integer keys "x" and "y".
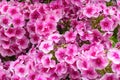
{"x": 60, "y": 54}
{"x": 46, "y": 46}
{"x": 19, "y": 32}
{"x": 10, "y": 32}
{"x": 23, "y": 42}
{"x": 107, "y": 24}
{"x": 116, "y": 68}
{"x": 82, "y": 64}
{"x": 39, "y": 26}
{"x": 18, "y": 21}
{"x": 75, "y": 75}
{"x": 71, "y": 50}
{"x": 31, "y": 27}
{"x": 47, "y": 62}
{"x": 13, "y": 11}
{"x": 109, "y": 76}
{"x": 21, "y": 70}
{"x": 34, "y": 38}
{"x": 70, "y": 36}
{"x": 2, "y": 35}
{"x": 99, "y": 62}
{"x": 54, "y": 37}
{"x": 114, "y": 55}
{"x": 70, "y": 59}
{"x": 5, "y": 21}
{"x": 34, "y": 15}
{"x": 90, "y": 73}
{"x": 5, "y": 44}
{"x": 89, "y": 11}
{"x": 61, "y": 69}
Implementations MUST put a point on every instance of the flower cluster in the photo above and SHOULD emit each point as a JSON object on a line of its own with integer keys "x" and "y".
{"x": 60, "y": 40}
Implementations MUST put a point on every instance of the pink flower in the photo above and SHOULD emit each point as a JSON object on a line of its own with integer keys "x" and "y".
{"x": 70, "y": 36}
{"x": 31, "y": 27}
{"x": 90, "y": 73}
{"x": 75, "y": 75}
{"x": 5, "y": 21}
{"x": 82, "y": 64}
{"x": 23, "y": 42}
{"x": 70, "y": 59}
{"x": 21, "y": 70}
{"x": 107, "y": 24}
{"x": 51, "y": 25}
{"x": 34, "y": 15}
{"x": 114, "y": 55}
{"x": 116, "y": 68}
{"x": 18, "y": 21}
{"x": 54, "y": 37}
{"x": 10, "y": 32}
{"x": 20, "y": 32}
{"x": 5, "y": 44}
{"x": 109, "y": 76}
{"x": 99, "y": 62}
{"x": 39, "y": 28}
{"x": 46, "y": 46}
{"x": 34, "y": 38}
{"x": 61, "y": 69}
{"x": 89, "y": 10}
{"x": 60, "y": 54}
{"x": 71, "y": 50}
{"x": 47, "y": 62}
{"x": 13, "y": 11}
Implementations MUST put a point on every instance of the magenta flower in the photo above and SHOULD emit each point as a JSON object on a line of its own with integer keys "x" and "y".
{"x": 116, "y": 68}
{"x": 18, "y": 21}
{"x": 10, "y": 32}
{"x": 71, "y": 50}
{"x": 90, "y": 73}
{"x": 114, "y": 55}
{"x": 61, "y": 69}
{"x": 20, "y": 32}
{"x": 21, "y": 70}
{"x": 107, "y": 24}
{"x": 46, "y": 46}
{"x": 47, "y": 62}
{"x": 60, "y": 54}
{"x": 109, "y": 76}
{"x": 70, "y": 36}
{"x": 23, "y": 42}
{"x": 99, "y": 62}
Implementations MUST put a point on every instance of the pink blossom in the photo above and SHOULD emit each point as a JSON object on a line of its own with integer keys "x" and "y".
{"x": 20, "y": 32}
{"x": 60, "y": 54}
{"x": 70, "y": 36}
{"x": 109, "y": 76}
{"x": 107, "y": 24}
{"x": 18, "y": 21}
{"x": 70, "y": 59}
{"x": 114, "y": 55}
{"x": 46, "y": 46}
{"x": 116, "y": 68}
{"x": 47, "y": 62}
{"x": 23, "y": 42}
{"x": 34, "y": 38}
{"x": 10, "y": 32}
{"x": 5, "y": 21}
{"x": 21, "y": 70}
{"x": 90, "y": 73}
{"x": 54, "y": 37}
{"x": 71, "y": 50}
{"x": 89, "y": 11}
{"x": 99, "y": 62}
{"x": 61, "y": 69}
